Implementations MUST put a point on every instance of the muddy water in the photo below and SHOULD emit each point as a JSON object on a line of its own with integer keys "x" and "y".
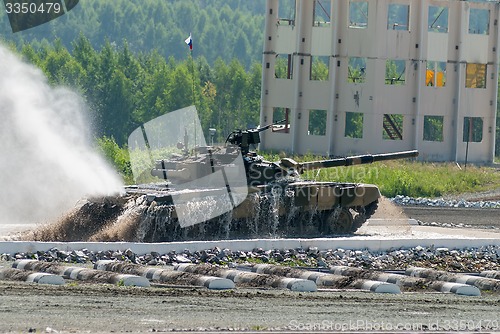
{"x": 133, "y": 218}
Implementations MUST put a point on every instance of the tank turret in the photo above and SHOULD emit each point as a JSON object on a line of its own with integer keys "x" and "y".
{"x": 258, "y": 171}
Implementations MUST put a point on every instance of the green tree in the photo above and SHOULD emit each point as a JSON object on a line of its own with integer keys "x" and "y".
{"x": 354, "y": 125}
{"x": 253, "y": 91}
{"x": 319, "y": 68}
{"x": 395, "y": 72}
{"x": 125, "y": 90}
{"x": 181, "y": 86}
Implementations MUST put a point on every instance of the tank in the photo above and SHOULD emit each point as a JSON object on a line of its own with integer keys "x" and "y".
{"x": 230, "y": 191}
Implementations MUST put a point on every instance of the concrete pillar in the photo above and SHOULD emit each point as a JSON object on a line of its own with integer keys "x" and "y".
{"x": 494, "y": 30}
{"x": 301, "y": 60}
{"x": 418, "y": 116}
{"x": 268, "y": 55}
{"x": 338, "y": 21}
{"x": 458, "y": 10}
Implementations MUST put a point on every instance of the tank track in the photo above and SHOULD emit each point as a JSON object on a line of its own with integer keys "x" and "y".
{"x": 155, "y": 222}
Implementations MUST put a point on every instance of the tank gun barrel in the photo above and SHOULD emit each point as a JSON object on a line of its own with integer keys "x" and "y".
{"x": 248, "y": 137}
{"x": 348, "y": 161}
{"x": 270, "y": 125}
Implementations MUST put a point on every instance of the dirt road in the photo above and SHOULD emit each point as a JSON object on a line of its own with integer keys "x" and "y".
{"x": 79, "y": 307}
{"x": 444, "y": 215}
{"x": 99, "y": 308}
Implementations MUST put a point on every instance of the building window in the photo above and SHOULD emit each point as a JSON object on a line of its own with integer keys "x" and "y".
{"x": 286, "y": 12}
{"x": 398, "y": 17}
{"x": 438, "y": 19}
{"x": 433, "y": 128}
{"x": 281, "y": 115}
{"x": 392, "y": 127}
{"x": 435, "y": 75}
{"x": 395, "y": 72}
{"x": 317, "y": 123}
{"x": 320, "y": 68}
{"x": 283, "y": 66}
{"x": 473, "y": 129}
{"x": 358, "y": 14}
{"x": 475, "y": 75}
{"x": 356, "y": 70}
{"x": 353, "y": 125}
{"x": 322, "y": 12}
{"x": 479, "y": 21}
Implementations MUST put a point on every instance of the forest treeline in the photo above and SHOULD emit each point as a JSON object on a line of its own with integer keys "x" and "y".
{"x": 133, "y": 65}
{"x": 125, "y": 90}
{"x": 220, "y": 28}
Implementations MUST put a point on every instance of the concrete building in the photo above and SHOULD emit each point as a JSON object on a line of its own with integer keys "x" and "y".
{"x": 357, "y": 76}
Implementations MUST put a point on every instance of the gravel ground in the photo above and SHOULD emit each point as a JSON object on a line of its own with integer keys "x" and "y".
{"x": 82, "y": 307}
{"x": 478, "y": 210}
{"x": 100, "y": 308}
{"x": 470, "y": 259}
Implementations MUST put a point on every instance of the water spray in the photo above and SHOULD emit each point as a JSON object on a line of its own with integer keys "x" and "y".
{"x": 47, "y": 159}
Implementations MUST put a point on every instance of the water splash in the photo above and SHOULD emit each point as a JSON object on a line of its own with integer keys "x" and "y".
{"x": 138, "y": 218}
{"x": 47, "y": 159}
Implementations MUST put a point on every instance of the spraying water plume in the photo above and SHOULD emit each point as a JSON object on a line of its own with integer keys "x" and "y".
{"x": 47, "y": 162}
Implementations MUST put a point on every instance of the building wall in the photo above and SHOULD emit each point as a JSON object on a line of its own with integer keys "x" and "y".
{"x": 340, "y": 40}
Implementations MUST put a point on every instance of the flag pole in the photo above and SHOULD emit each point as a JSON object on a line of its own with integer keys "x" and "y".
{"x": 192, "y": 75}
{"x": 189, "y": 41}
{"x": 194, "y": 96}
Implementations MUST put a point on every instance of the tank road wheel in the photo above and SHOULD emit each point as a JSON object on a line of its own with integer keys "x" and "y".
{"x": 339, "y": 221}
{"x": 364, "y": 213}
{"x": 371, "y": 208}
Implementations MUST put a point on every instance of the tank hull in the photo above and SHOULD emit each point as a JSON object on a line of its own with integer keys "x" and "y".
{"x": 288, "y": 209}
